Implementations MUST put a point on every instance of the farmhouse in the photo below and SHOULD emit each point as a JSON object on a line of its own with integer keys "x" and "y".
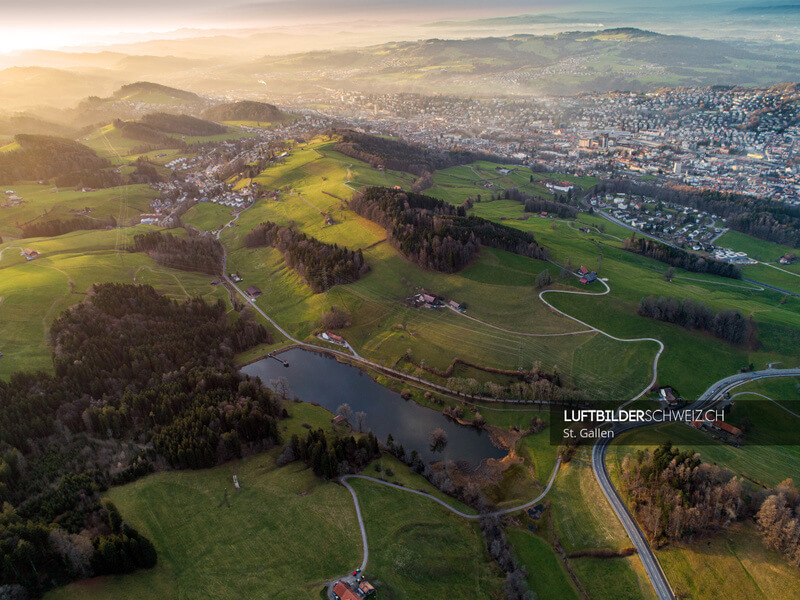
{"x": 787, "y": 259}
{"x": 586, "y": 276}
{"x": 253, "y": 291}
{"x": 30, "y": 254}
{"x": 342, "y": 591}
{"x": 729, "y": 430}
{"x": 669, "y": 397}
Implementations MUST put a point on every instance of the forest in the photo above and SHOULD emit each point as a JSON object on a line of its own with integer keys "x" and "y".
{"x": 60, "y": 227}
{"x": 403, "y": 156}
{"x": 197, "y": 252}
{"x": 766, "y": 219}
{"x": 321, "y": 265}
{"x": 437, "y": 235}
{"x": 45, "y": 157}
{"x": 131, "y": 367}
{"x": 729, "y": 325}
{"x": 246, "y": 110}
{"x": 680, "y": 258}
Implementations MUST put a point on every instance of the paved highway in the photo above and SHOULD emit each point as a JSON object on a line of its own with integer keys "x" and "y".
{"x": 710, "y": 397}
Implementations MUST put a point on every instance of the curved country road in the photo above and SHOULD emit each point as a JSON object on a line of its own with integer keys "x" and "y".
{"x": 505, "y": 511}
{"x": 608, "y": 335}
{"x": 713, "y": 394}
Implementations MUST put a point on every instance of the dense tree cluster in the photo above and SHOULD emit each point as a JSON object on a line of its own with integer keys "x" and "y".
{"x": 680, "y": 258}
{"x": 246, "y": 110}
{"x": 403, "y": 156}
{"x": 437, "y": 235}
{"x": 559, "y": 209}
{"x": 321, "y": 265}
{"x": 60, "y": 227}
{"x": 45, "y": 157}
{"x": 330, "y": 458}
{"x": 197, "y": 252}
{"x": 150, "y": 137}
{"x": 729, "y": 325}
{"x": 769, "y": 220}
{"x": 124, "y": 334}
{"x": 182, "y": 124}
{"x": 133, "y": 370}
{"x": 675, "y": 496}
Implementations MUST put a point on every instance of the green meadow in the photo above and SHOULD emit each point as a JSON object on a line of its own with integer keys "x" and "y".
{"x": 48, "y": 203}
{"x": 207, "y": 216}
{"x": 315, "y": 181}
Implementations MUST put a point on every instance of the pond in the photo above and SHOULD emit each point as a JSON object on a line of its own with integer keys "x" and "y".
{"x": 319, "y": 378}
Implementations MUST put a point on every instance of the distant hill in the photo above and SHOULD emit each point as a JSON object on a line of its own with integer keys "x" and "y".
{"x": 563, "y": 63}
{"x": 135, "y": 100}
{"x": 145, "y": 91}
{"x": 26, "y": 87}
{"x": 247, "y": 110}
{"x": 46, "y": 157}
{"x": 33, "y": 125}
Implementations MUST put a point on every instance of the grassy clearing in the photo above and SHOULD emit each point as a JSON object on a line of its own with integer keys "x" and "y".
{"x": 757, "y": 248}
{"x": 547, "y": 576}
{"x": 733, "y": 565}
{"x": 419, "y": 548}
{"x": 207, "y": 216}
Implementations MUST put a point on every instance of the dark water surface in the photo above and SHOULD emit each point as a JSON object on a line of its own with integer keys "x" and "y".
{"x": 315, "y": 377}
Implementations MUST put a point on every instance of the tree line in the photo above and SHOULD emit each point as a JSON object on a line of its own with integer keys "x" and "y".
{"x": 437, "y": 235}
{"x": 763, "y": 218}
{"x": 133, "y": 370}
{"x": 197, "y": 252}
{"x": 182, "y": 124}
{"x": 398, "y": 155}
{"x": 321, "y": 265}
{"x": 60, "y": 227}
{"x": 729, "y": 325}
{"x": 45, "y": 157}
{"x": 680, "y": 258}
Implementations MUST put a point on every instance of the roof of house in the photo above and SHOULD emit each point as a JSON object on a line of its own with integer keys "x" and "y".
{"x": 253, "y": 291}
{"x": 344, "y": 592}
{"x": 583, "y": 270}
{"x": 727, "y": 428}
{"x": 366, "y": 587}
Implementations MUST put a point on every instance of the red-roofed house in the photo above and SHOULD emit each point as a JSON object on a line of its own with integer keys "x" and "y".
{"x": 343, "y": 591}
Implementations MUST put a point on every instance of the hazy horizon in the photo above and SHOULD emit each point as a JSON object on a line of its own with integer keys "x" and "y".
{"x": 92, "y": 25}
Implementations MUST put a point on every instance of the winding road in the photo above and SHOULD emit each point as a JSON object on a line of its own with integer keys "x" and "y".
{"x": 497, "y": 513}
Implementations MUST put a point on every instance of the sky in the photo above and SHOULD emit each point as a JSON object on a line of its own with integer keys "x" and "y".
{"x": 51, "y": 24}
{"x": 56, "y": 23}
